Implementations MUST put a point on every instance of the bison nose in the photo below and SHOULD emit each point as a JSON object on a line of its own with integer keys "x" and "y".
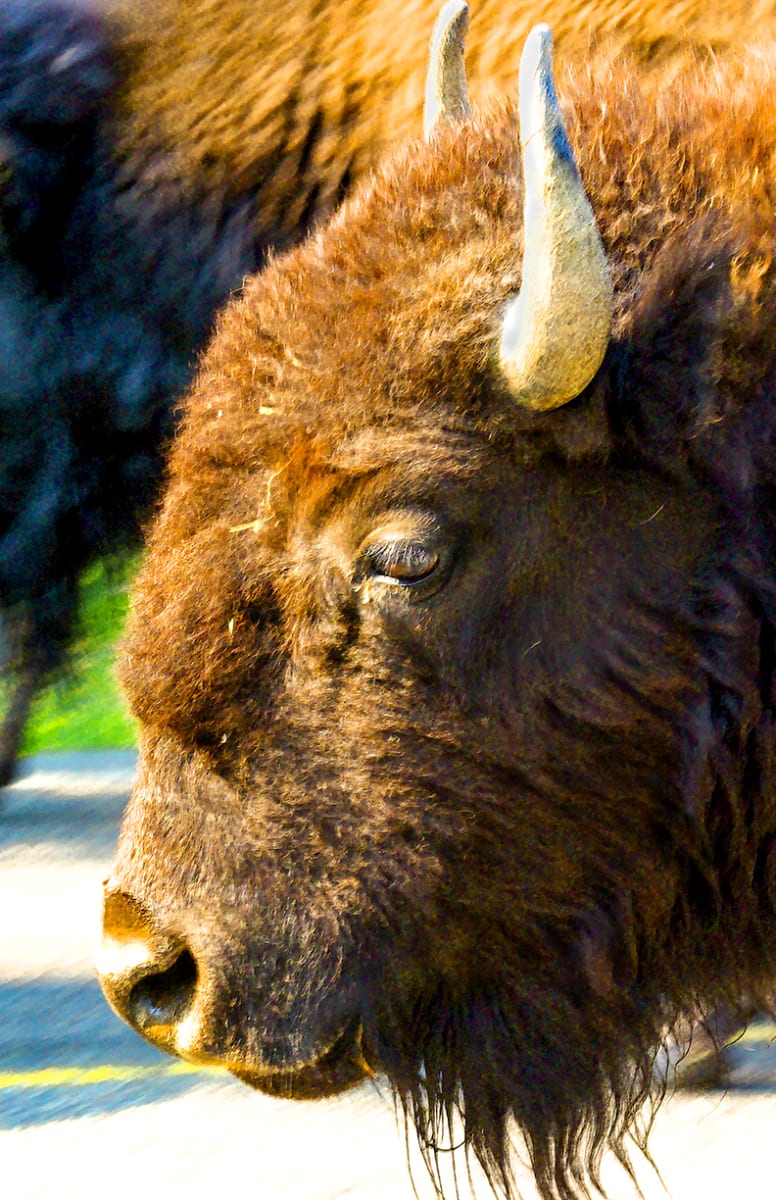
{"x": 148, "y": 975}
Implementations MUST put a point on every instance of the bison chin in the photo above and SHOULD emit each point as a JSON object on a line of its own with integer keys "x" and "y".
{"x": 465, "y": 1067}
{"x": 342, "y": 1066}
{"x": 546, "y": 1058}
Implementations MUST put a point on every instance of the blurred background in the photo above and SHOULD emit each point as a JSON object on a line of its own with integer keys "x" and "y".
{"x": 84, "y": 709}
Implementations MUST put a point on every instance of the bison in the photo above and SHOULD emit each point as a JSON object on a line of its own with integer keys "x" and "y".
{"x": 150, "y": 155}
{"x": 455, "y": 645}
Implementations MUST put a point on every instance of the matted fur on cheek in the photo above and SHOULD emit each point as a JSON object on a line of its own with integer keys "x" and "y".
{"x": 199, "y": 628}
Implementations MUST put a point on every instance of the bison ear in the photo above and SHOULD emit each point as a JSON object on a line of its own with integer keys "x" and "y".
{"x": 556, "y": 331}
{"x": 447, "y": 97}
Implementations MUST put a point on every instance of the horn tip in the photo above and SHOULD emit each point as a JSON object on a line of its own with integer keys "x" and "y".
{"x": 536, "y": 58}
{"x": 540, "y": 37}
{"x": 450, "y": 29}
{"x": 537, "y": 100}
{"x": 451, "y": 12}
{"x": 446, "y": 93}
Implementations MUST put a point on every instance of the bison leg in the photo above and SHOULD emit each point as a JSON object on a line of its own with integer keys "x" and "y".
{"x": 36, "y": 635}
{"x": 27, "y": 685}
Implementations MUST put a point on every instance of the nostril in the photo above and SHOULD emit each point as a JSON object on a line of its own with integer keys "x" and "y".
{"x": 162, "y": 998}
{"x": 147, "y": 971}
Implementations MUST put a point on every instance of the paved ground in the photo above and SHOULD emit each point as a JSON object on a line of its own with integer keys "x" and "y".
{"x": 88, "y": 1111}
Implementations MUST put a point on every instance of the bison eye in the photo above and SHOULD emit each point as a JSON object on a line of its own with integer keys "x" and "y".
{"x": 402, "y": 561}
{"x": 411, "y": 555}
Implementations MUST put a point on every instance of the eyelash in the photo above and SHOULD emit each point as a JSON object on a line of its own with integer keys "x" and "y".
{"x": 387, "y": 558}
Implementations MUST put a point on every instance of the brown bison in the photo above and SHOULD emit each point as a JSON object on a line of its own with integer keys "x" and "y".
{"x": 151, "y": 152}
{"x": 455, "y": 647}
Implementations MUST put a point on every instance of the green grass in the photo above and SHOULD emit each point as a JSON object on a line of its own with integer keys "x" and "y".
{"x": 84, "y": 710}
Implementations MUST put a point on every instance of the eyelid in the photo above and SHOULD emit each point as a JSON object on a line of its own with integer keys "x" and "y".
{"x": 402, "y": 560}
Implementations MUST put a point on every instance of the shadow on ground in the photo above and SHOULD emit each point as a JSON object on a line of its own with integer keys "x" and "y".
{"x": 75, "y": 799}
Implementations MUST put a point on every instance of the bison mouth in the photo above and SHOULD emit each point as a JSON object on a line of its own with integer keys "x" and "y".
{"x": 343, "y": 1065}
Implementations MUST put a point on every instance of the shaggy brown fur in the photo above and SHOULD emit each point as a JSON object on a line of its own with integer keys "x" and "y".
{"x": 292, "y": 102}
{"x": 458, "y": 730}
{"x": 151, "y": 152}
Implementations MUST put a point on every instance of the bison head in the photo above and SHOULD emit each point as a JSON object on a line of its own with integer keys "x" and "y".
{"x": 454, "y": 686}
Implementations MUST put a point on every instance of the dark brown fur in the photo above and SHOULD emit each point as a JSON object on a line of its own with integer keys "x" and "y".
{"x": 493, "y": 833}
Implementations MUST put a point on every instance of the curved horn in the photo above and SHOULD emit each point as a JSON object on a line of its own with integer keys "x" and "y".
{"x": 447, "y": 96}
{"x": 557, "y": 328}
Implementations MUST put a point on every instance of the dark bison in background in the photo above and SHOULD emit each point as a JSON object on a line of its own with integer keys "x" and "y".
{"x": 150, "y": 154}
{"x": 454, "y": 648}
